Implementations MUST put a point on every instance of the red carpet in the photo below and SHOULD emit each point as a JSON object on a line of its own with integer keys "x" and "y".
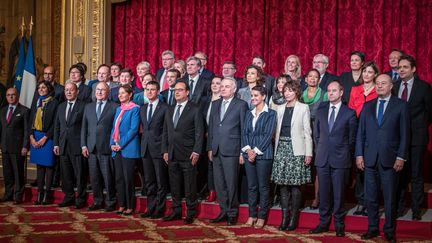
{"x": 28, "y": 223}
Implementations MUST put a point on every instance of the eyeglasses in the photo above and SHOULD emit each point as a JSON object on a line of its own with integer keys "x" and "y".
{"x": 49, "y": 74}
{"x": 228, "y": 68}
{"x": 179, "y": 90}
{"x": 167, "y": 59}
{"x": 101, "y": 90}
{"x": 319, "y": 62}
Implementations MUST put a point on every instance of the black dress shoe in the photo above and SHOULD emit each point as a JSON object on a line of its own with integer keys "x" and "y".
{"x": 80, "y": 205}
{"x": 188, "y": 220}
{"x": 6, "y": 199}
{"x": 17, "y": 202}
{"x": 360, "y": 210}
{"x": 109, "y": 209}
{"x": 94, "y": 207}
{"x": 340, "y": 232}
{"x": 416, "y": 216}
{"x": 146, "y": 214}
{"x": 66, "y": 204}
{"x": 390, "y": 237}
{"x": 319, "y": 230}
{"x": 172, "y": 217}
{"x": 369, "y": 235}
{"x": 157, "y": 215}
{"x": 231, "y": 221}
{"x": 219, "y": 218}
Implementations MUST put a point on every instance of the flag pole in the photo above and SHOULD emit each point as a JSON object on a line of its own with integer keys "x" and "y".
{"x": 22, "y": 28}
{"x": 31, "y": 25}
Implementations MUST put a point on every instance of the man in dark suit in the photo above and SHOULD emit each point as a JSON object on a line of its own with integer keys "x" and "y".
{"x": 269, "y": 80}
{"x": 168, "y": 94}
{"x": 67, "y": 144}
{"x": 155, "y": 169}
{"x": 103, "y": 75}
{"x": 224, "y": 148}
{"x": 76, "y": 75}
{"x": 321, "y": 62}
{"x": 168, "y": 60}
{"x": 229, "y": 70}
{"x": 207, "y": 74}
{"x": 381, "y": 151}
{"x": 182, "y": 140}
{"x": 95, "y": 137}
{"x": 14, "y": 145}
{"x": 198, "y": 85}
{"x": 418, "y": 94}
{"x": 334, "y": 132}
{"x": 394, "y": 57}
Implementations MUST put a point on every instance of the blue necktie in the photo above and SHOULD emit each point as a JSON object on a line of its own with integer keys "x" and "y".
{"x": 149, "y": 117}
{"x": 380, "y": 111}
{"x": 332, "y": 118}
{"x": 170, "y": 96}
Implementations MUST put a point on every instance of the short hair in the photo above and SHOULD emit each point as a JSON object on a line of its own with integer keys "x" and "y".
{"x": 80, "y": 69}
{"x": 338, "y": 82}
{"x": 101, "y": 66}
{"x": 173, "y": 70}
{"x": 145, "y": 64}
{"x": 230, "y": 79}
{"x": 168, "y": 52}
{"x": 397, "y": 50}
{"x": 84, "y": 67}
{"x": 117, "y": 64}
{"x": 326, "y": 59}
{"x": 374, "y": 66}
{"x": 313, "y": 70}
{"x": 183, "y": 82}
{"x": 104, "y": 84}
{"x": 127, "y": 70}
{"x": 261, "y": 89}
{"x": 155, "y": 83}
{"x": 410, "y": 59}
{"x": 127, "y": 87}
{"x": 230, "y": 63}
{"x": 359, "y": 54}
{"x": 48, "y": 85}
{"x": 195, "y": 59}
{"x": 295, "y": 87}
{"x": 260, "y": 73}
{"x": 259, "y": 57}
{"x": 202, "y": 53}
{"x": 153, "y": 78}
{"x": 72, "y": 83}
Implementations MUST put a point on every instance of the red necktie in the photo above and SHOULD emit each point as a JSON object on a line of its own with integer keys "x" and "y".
{"x": 9, "y": 116}
{"x": 404, "y": 95}
{"x": 165, "y": 82}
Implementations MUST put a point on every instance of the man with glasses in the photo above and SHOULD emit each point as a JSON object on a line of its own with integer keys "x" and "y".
{"x": 168, "y": 60}
{"x": 321, "y": 62}
{"x": 229, "y": 70}
{"x": 203, "y": 71}
{"x": 95, "y": 136}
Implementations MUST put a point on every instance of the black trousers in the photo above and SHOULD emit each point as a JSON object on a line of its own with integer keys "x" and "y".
{"x": 74, "y": 171}
{"x": 101, "y": 168}
{"x": 156, "y": 182}
{"x": 183, "y": 173}
{"x": 124, "y": 178}
{"x": 44, "y": 178}
{"x": 13, "y": 173}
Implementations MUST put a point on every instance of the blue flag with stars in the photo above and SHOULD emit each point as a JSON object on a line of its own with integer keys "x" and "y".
{"x": 19, "y": 71}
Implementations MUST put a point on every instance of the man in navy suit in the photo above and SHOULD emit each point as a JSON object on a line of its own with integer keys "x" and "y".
{"x": 394, "y": 57}
{"x": 198, "y": 85}
{"x": 168, "y": 94}
{"x": 418, "y": 94}
{"x": 381, "y": 151}
{"x": 335, "y": 130}
{"x": 168, "y": 60}
{"x": 155, "y": 169}
{"x": 321, "y": 62}
{"x": 203, "y": 71}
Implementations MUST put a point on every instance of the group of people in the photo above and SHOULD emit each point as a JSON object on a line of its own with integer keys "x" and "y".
{"x": 279, "y": 131}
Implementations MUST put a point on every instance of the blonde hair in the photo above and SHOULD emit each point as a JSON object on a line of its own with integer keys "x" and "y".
{"x": 298, "y": 69}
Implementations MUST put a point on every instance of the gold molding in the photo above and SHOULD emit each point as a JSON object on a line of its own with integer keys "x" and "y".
{"x": 63, "y": 42}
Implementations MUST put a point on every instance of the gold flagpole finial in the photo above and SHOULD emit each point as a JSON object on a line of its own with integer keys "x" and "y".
{"x": 31, "y": 25}
{"x": 22, "y": 28}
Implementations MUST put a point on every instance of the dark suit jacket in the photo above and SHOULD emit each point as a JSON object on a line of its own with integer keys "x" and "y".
{"x": 151, "y": 138}
{"x": 225, "y": 136}
{"x": 386, "y": 142}
{"x": 201, "y": 88}
{"x": 269, "y": 85}
{"x": 165, "y": 97}
{"x": 207, "y": 74}
{"x": 85, "y": 93}
{"x": 335, "y": 147}
{"x": 420, "y": 108}
{"x": 159, "y": 73}
{"x": 58, "y": 94}
{"x": 261, "y": 137}
{"x": 48, "y": 118}
{"x": 95, "y": 135}
{"x": 14, "y": 135}
{"x": 347, "y": 81}
{"x": 187, "y": 137}
{"x": 69, "y": 131}
{"x": 326, "y": 79}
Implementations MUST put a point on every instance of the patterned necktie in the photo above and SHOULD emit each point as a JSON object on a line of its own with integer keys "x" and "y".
{"x": 404, "y": 95}
{"x": 332, "y": 118}
{"x": 380, "y": 111}
{"x": 99, "y": 110}
{"x": 9, "y": 116}
{"x": 177, "y": 116}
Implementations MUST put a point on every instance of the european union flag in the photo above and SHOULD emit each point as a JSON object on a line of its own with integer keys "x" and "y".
{"x": 19, "y": 71}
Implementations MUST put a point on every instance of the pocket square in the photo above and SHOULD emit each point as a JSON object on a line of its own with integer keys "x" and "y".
{"x": 18, "y": 114}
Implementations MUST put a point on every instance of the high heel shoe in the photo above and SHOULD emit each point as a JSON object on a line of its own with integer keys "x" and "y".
{"x": 251, "y": 221}
{"x": 120, "y": 211}
{"x": 259, "y": 224}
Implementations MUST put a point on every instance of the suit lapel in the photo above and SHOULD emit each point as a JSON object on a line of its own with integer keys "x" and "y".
{"x": 388, "y": 109}
{"x": 104, "y": 111}
{"x": 414, "y": 90}
{"x": 326, "y": 111}
{"x": 338, "y": 117}
{"x": 229, "y": 109}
